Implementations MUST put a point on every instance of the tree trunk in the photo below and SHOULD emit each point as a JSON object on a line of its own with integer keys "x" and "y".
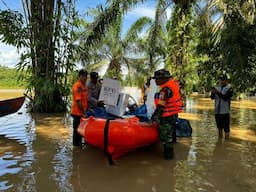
{"x": 47, "y": 96}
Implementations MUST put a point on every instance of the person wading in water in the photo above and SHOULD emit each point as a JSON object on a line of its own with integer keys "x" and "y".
{"x": 222, "y": 97}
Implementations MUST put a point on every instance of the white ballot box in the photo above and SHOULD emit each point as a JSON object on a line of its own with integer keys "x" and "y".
{"x": 150, "y": 98}
{"x": 120, "y": 108}
{"x": 109, "y": 92}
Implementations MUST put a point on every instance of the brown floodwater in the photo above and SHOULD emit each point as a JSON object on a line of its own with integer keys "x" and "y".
{"x": 36, "y": 154}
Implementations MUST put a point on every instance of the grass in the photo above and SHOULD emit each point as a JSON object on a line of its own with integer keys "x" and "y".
{"x": 9, "y": 79}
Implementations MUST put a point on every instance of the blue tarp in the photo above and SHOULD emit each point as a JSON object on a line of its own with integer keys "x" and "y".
{"x": 141, "y": 113}
{"x": 99, "y": 112}
{"x": 183, "y": 128}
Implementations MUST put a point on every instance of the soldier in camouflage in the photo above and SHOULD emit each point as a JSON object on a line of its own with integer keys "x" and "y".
{"x": 169, "y": 104}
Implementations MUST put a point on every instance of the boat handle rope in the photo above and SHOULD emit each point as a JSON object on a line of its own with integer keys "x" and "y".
{"x": 106, "y": 128}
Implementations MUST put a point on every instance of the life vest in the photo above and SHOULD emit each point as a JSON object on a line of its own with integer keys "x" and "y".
{"x": 173, "y": 104}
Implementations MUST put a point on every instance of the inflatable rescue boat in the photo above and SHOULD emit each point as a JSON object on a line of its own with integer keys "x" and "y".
{"x": 117, "y": 137}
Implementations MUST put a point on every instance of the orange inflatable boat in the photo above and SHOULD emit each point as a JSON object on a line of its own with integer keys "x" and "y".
{"x": 118, "y": 136}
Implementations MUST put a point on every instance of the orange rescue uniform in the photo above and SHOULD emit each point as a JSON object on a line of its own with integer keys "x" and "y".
{"x": 79, "y": 92}
{"x": 171, "y": 105}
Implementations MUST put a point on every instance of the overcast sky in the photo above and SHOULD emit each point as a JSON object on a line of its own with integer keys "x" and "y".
{"x": 9, "y": 55}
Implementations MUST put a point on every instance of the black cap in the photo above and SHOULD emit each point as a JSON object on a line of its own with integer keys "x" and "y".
{"x": 223, "y": 77}
{"x": 82, "y": 72}
{"x": 94, "y": 75}
{"x": 161, "y": 74}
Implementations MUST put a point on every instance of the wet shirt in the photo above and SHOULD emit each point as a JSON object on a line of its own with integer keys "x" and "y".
{"x": 222, "y": 99}
{"x": 79, "y": 93}
{"x": 93, "y": 94}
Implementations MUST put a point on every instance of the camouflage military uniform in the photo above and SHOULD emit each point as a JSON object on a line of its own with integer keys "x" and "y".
{"x": 167, "y": 129}
{"x": 167, "y": 110}
{"x": 166, "y": 126}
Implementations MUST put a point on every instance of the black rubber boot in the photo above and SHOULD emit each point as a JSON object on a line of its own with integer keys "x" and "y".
{"x": 174, "y": 139}
{"x": 168, "y": 152}
{"x": 77, "y": 139}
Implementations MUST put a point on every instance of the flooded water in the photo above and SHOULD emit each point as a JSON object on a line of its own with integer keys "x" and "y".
{"x": 36, "y": 154}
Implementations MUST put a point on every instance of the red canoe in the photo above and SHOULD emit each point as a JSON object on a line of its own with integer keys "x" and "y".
{"x": 119, "y": 136}
{"x": 11, "y": 105}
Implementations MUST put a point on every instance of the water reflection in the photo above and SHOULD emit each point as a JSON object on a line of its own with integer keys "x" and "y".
{"x": 219, "y": 165}
{"x": 16, "y": 154}
{"x": 139, "y": 171}
{"x": 36, "y": 154}
{"x": 53, "y": 153}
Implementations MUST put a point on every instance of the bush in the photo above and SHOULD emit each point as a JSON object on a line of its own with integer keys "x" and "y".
{"x": 9, "y": 78}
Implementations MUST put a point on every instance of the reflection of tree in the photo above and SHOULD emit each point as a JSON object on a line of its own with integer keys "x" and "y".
{"x": 46, "y": 156}
{"x": 191, "y": 172}
{"x": 40, "y": 151}
{"x": 141, "y": 170}
{"x": 19, "y": 133}
{"x": 48, "y": 162}
{"x": 217, "y": 165}
{"x": 28, "y": 182}
{"x": 243, "y": 114}
{"x": 232, "y": 167}
{"x": 62, "y": 165}
{"x": 52, "y": 149}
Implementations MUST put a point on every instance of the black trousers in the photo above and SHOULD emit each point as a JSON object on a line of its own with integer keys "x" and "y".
{"x": 77, "y": 138}
{"x": 223, "y": 122}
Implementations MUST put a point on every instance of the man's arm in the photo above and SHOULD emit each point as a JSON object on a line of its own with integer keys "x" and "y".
{"x": 92, "y": 100}
{"x": 226, "y": 96}
{"x": 164, "y": 94}
{"x": 213, "y": 92}
{"x": 79, "y": 104}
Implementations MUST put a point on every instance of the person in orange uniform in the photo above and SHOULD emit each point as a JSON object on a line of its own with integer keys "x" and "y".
{"x": 79, "y": 104}
{"x": 169, "y": 104}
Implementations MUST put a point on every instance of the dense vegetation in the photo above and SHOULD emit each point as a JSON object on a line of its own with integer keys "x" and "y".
{"x": 201, "y": 40}
{"x": 9, "y": 79}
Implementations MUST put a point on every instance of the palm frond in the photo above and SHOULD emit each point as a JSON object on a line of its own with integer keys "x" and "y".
{"x": 107, "y": 17}
{"x": 156, "y": 34}
{"x": 136, "y": 29}
{"x": 101, "y": 23}
{"x": 248, "y": 10}
{"x": 217, "y": 29}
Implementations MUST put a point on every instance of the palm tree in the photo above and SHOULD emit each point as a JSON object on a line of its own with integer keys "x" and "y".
{"x": 220, "y": 10}
{"x": 116, "y": 51}
{"x": 207, "y": 52}
{"x": 156, "y": 37}
{"x": 179, "y": 55}
{"x": 233, "y": 32}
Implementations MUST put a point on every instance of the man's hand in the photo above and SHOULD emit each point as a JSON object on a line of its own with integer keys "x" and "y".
{"x": 214, "y": 90}
{"x": 154, "y": 118}
{"x": 84, "y": 116}
{"x": 100, "y": 104}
